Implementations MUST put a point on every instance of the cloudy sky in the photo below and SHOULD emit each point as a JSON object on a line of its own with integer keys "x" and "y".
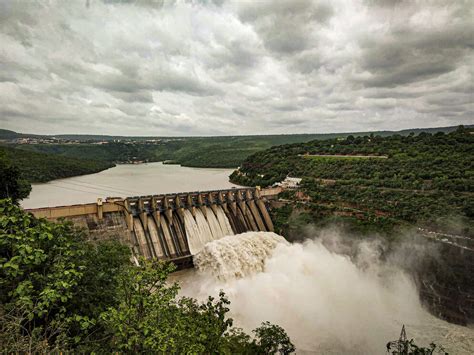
{"x": 232, "y": 67}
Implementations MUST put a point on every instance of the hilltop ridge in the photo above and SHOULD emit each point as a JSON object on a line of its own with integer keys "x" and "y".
{"x": 9, "y": 134}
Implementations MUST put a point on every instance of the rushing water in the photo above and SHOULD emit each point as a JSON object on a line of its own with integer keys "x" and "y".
{"x": 204, "y": 229}
{"x": 127, "y": 180}
{"x": 230, "y": 258}
{"x": 327, "y": 302}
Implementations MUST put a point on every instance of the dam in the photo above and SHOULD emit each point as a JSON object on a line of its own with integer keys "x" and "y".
{"x": 171, "y": 227}
{"x": 177, "y": 226}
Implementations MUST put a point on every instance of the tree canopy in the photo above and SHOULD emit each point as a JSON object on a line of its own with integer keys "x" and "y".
{"x": 60, "y": 292}
{"x": 377, "y": 181}
{"x": 12, "y": 183}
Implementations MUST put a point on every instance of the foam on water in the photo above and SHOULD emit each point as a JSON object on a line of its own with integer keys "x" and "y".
{"x": 237, "y": 256}
{"x": 326, "y": 302}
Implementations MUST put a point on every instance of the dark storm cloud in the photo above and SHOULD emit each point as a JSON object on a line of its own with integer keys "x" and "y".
{"x": 164, "y": 81}
{"x": 286, "y": 26}
{"x": 306, "y": 62}
{"x": 137, "y": 96}
{"x": 233, "y": 67}
{"x": 408, "y": 56}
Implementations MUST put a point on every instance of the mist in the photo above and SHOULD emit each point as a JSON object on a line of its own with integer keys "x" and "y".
{"x": 327, "y": 299}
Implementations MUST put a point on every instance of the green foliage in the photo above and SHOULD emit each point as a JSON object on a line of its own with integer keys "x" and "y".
{"x": 280, "y": 217}
{"x": 52, "y": 281}
{"x": 272, "y": 339}
{"x": 28, "y": 246}
{"x": 12, "y": 183}
{"x": 59, "y": 292}
{"x": 40, "y": 167}
{"x": 408, "y": 347}
{"x": 425, "y": 177}
{"x": 151, "y": 318}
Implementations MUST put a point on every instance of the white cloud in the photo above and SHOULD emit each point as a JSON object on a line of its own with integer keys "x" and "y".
{"x": 203, "y": 68}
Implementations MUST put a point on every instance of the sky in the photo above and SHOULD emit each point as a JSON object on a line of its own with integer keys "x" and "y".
{"x": 152, "y": 67}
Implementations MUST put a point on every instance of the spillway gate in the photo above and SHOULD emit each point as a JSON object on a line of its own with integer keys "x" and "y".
{"x": 170, "y": 226}
{"x": 176, "y": 226}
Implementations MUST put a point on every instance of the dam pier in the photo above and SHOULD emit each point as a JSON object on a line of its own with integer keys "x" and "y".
{"x": 171, "y": 227}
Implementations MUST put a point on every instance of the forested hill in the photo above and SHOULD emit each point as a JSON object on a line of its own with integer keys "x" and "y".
{"x": 209, "y": 152}
{"x": 40, "y": 167}
{"x": 284, "y": 138}
{"x": 205, "y": 152}
{"x": 379, "y": 179}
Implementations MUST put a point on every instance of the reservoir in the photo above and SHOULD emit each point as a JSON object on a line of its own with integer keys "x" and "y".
{"x": 127, "y": 180}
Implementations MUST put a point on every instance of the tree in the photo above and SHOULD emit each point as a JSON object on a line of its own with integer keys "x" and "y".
{"x": 60, "y": 292}
{"x": 39, "y": 268}
{"x": 12, "y": 183}
{"x": 53, "y": 283}
{"x": 272, "y": 339}
{"x": 151, "y": 318}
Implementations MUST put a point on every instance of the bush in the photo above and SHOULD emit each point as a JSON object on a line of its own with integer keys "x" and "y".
{"x": 12, "y": 183}
{"x": 59, "y": 292}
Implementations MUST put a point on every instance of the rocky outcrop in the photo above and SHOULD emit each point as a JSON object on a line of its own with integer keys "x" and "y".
{"x": 446, "y": 280}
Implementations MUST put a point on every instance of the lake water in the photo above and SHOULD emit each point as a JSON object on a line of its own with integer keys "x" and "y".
{"x": 127, "y": 180}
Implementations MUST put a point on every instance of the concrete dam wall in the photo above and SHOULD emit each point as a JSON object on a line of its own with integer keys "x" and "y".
{"x": 172, "y": 226}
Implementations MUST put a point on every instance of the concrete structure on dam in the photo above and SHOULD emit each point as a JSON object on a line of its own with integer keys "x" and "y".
{"x": 172, "y": 226}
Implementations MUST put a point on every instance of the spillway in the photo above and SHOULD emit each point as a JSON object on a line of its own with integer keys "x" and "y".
{"x": 176, "y": 227}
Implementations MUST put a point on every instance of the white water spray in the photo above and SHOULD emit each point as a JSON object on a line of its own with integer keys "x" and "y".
{"x": 234, "y": 257}
{"x": 325, "y": 301}
{"x": 202, "y": 230}
{"x": 213, "y": 223}
{"x": 203, "y": 225}
{"x": 223, "y": 221}
{"x": 196, "y": 240}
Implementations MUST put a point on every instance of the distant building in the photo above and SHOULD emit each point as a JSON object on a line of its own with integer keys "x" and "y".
{"x": 289, "y": 183}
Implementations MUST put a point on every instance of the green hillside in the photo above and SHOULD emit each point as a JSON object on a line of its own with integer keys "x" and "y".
{"x": 425, "y": 180}
{"x": 40, "y": 167}
{"x": 6, "y": 134}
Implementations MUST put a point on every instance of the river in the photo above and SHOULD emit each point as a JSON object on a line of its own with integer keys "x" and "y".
{"x": 127, "y": 180}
